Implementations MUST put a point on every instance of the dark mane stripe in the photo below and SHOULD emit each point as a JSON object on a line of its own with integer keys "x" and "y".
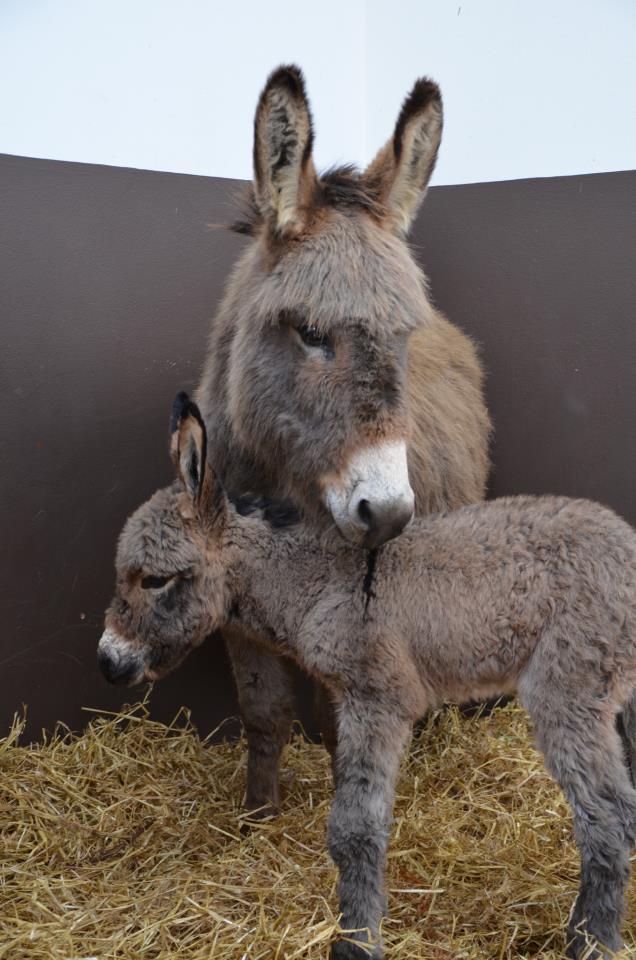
{"x": 278, "y": 513}
{"x": 345, "y": 186}
{"x": 339, "y": 187}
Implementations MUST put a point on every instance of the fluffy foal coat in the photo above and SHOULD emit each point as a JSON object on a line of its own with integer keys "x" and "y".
{"x": 533, "y": 594}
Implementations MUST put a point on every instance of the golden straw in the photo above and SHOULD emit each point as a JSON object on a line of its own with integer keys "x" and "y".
{"x": 130, "y": 842}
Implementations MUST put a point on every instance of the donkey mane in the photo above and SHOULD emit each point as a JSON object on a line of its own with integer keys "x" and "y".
{"x": 277, "y": 513}
{"x": 339, "y": 187}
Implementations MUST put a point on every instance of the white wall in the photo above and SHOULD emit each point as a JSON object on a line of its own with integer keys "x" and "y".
{"x": 171, "y": 84}
{"x": 531, "y": 87}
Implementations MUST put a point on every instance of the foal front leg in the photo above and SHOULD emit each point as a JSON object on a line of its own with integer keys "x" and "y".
{"x": 371, "y": 742}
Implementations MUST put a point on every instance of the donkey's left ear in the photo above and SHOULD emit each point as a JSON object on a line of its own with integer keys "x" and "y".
{"x": 188, "y": 444}
{"x": 403, "y": 167}
{"x": 284, "y": 174}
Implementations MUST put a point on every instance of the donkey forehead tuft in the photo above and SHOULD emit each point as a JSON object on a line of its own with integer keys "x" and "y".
{"x": 349, "y": 269}
{"x": 155, "y": 537}
{"x": 338, "y": 188}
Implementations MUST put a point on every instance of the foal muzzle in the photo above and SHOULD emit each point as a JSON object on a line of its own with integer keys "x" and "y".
{"x": 119, "y": 664}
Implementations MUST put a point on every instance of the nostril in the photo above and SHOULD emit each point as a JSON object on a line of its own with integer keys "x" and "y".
{"x": 365, "y": 513}
{"x": 383, "y": 522}
{"x": 115, "y": 668}
{"x": 107, "y": 663}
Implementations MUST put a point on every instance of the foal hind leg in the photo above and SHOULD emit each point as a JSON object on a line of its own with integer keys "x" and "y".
{"x": 264, "y": 684}
{"x": 626, "y": 725}
{"x": 582, "y": 750}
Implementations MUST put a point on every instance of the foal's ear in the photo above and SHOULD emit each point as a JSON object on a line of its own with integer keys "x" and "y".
{"x": 284, "y": 174}
{"x": 188, "y": 444}
{"x": 188, "y": 449}
{"x": 403, "y": 167}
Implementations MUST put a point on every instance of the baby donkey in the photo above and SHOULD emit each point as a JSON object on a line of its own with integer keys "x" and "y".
{"x": 533, "y": 594}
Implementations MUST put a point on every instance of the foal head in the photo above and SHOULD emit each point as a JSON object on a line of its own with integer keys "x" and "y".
{"x": 171, "y": 590}
{"x": 319, "y": 313}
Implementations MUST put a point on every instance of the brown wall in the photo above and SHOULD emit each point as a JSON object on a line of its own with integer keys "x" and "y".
{"x": 543, "y": 274}
{"x": 108, "y": 280}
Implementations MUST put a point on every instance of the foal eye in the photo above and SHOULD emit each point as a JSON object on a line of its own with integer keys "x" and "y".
{"x": 153, "y": 583}
{"x": 312, "y": 337}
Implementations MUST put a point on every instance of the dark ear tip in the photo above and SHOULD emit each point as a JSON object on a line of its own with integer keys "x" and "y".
{"x": 179, "y": 404}
{"x": 183, "y": 407}
{"x": 424, "y": 93}
{"x": 288, "y": 77}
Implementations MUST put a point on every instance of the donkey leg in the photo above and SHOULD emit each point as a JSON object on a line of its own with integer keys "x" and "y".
{"x": 266, "y": 701}
{"x": 626, "y": 725}
{"x": 370, "y": 744}
{"x": 325, "y": 713}
{"x": 583, "y": 752}
{"x": 604, "y": 821}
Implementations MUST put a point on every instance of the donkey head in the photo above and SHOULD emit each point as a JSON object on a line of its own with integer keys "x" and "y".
{"x": 171, "y": 589}
{"x": 318, "y": 314}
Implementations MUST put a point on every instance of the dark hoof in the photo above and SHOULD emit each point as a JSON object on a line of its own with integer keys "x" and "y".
{"x": 347, "y": 950}
{"x": 254, "y": 817}
{"x": 584, "y": 947}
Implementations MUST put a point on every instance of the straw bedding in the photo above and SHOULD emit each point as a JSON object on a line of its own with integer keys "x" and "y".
{"x": 130, "y": 842}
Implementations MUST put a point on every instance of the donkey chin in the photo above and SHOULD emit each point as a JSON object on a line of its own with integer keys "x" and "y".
{"x": 371, "y": 500}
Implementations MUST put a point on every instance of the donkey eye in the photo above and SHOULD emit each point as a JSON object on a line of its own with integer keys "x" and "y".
{"x": 153, "y": 583}
{"x": 312, "y": 337}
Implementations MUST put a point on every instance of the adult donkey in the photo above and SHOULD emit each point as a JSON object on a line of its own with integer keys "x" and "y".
{"x": 331, "y": 380}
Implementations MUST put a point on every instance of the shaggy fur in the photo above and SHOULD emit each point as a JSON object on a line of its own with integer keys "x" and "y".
{"x": 327, "y": 254}
{"x": 533, "y": 594}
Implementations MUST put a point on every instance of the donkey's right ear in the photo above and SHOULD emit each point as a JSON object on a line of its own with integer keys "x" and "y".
{"x": 188, "y": 444}
{"x": 284, "y": 174}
